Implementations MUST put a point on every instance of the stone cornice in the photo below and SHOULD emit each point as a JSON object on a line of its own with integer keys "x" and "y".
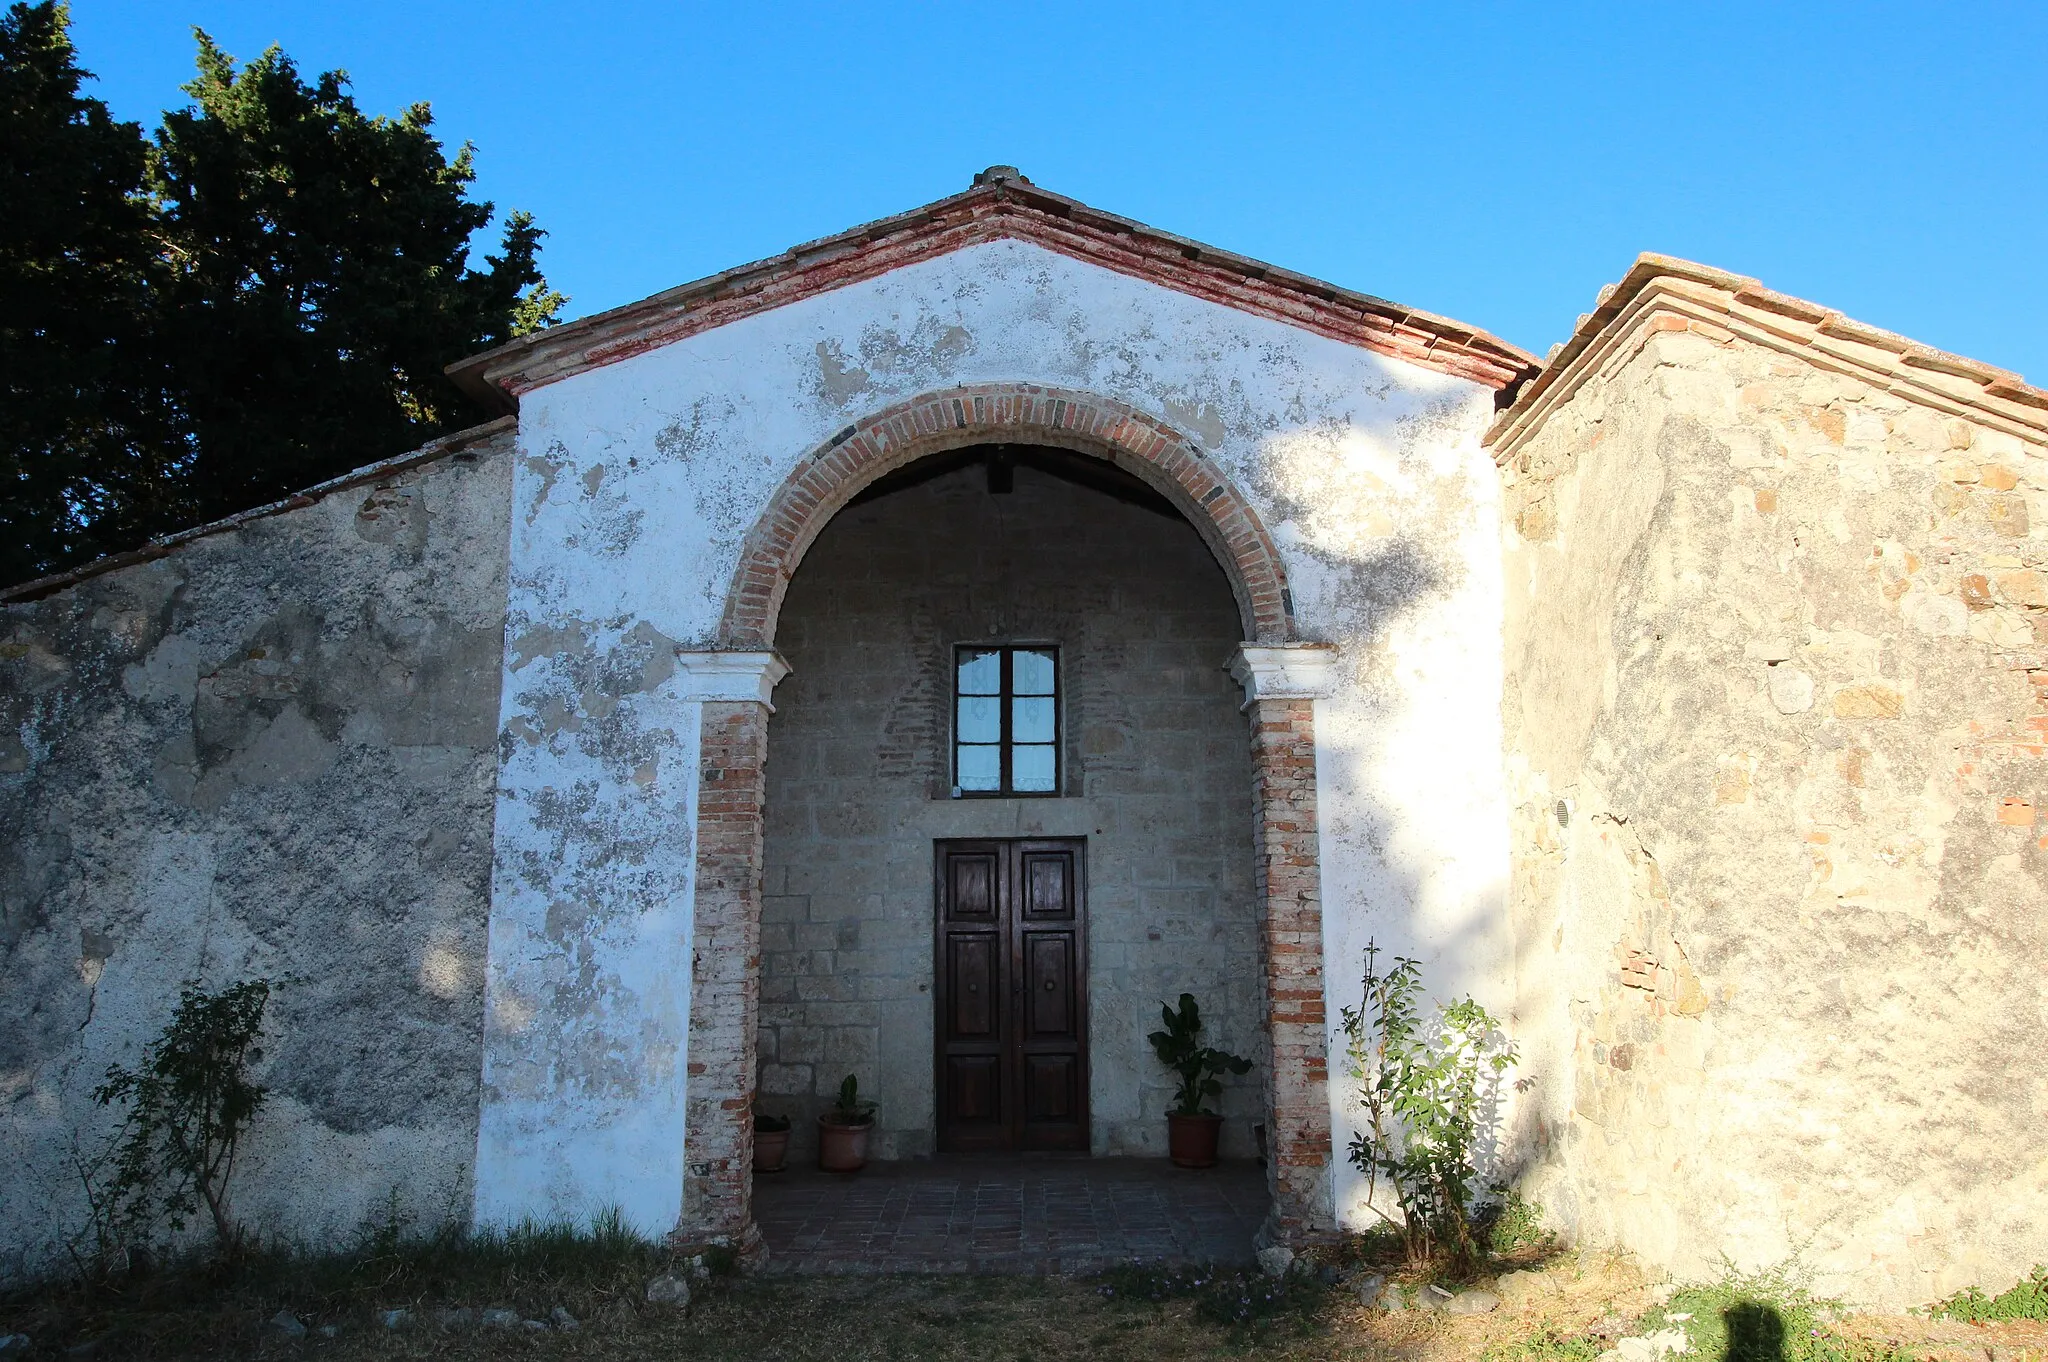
{"x": 1662, "y": 293}
{"x": 1287, "y": 671}
{"x": 721, "y": 675}
{"x": 1007, "y": 208}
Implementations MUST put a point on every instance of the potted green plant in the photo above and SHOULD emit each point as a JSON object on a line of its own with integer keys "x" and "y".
{"x": 843, "y": 1130}
{"x": 771, "y": 1141}
{"x": 1192, "y": 1130}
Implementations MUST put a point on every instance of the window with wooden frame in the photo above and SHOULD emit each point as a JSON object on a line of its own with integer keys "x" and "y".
{"x": 1006, "y": 720}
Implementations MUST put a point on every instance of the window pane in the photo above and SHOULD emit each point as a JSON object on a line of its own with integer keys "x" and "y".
{"x": 980, "y": 768}
{"x": 1030, "y": 672}
{"x": 981, "y": 719}
{"x": 1031, "y": 769}
{"x": 981, "y": 672}
{"x": 1030, "y": 720}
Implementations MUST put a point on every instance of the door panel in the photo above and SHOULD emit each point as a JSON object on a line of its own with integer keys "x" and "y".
{"x": 1011, "y": 1005}
{"x": 976, "y": 1087}
{"x": 973, "y": 977}
{"x": 1048, "y": 885}
{"x": 1049, "y": 979}
{"x": 974, "y": 887}
{"x": 1049, "y": 1088}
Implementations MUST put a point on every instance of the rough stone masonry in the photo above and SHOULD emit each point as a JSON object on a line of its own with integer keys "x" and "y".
{"x": 1679, "y": 696}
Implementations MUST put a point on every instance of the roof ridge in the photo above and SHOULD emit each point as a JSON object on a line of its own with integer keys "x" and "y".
{"x": 992, "y": 208}
{"x": 1899, "y": 364}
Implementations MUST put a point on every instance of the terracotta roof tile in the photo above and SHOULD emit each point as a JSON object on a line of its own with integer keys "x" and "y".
{"x": 999, "y": 209}
{"x": 1662, "y": 290}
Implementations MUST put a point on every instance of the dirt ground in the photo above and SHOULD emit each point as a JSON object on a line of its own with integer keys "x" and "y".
{"x": 979, "y": 1319}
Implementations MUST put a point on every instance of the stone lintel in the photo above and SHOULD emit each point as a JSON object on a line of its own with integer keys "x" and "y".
{"x": 1284, "y": 671}
{"x": 702, "y": 674}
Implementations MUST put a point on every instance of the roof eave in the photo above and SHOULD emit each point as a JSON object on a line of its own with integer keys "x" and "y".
{"x": 497, "y": 376}
{"x": 1718, "y": 301}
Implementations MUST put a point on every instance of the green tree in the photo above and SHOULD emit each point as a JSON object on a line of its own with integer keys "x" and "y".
{"x": 90, "y": 445}
{"x": 262, "y": 298}
{"x": 322, "y": 278}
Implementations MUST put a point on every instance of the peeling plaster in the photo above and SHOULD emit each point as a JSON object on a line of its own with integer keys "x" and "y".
{"x": 1368, "y": 471}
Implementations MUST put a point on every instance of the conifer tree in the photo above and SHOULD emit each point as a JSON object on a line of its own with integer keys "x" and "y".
{"x": 261, "y": 298}
{"x": 90, "y": 446}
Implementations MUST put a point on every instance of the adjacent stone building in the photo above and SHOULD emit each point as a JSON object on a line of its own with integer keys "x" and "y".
{"x": 924, "y": 652}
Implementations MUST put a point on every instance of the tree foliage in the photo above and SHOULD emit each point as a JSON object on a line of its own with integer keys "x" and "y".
{"x": 188, "y": 1102}
{"x": 1427, "y": 1086}
{"x": 88, "y": 437}
{"x": 262, "y": 297}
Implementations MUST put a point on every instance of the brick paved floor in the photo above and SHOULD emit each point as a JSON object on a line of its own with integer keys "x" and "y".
{"x": 1008, "y": 1215}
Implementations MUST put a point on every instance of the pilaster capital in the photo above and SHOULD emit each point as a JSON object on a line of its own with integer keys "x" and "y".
{"x": 1284, "y": 671}
{"x": 709, "y": 675}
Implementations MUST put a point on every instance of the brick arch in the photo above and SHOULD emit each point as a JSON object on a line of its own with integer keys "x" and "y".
{"x": 835, "y": 472}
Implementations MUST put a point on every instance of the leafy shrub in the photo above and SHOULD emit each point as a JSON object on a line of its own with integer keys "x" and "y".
{"x": 2027, "y": 1300}
{"x": 188, "y": 1102}
{"x": 1426, "y": 1085}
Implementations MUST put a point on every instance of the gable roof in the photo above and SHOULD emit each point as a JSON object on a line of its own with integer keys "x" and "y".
{"x": 1001, "y": 203}
{"x": 1661, "y": 289}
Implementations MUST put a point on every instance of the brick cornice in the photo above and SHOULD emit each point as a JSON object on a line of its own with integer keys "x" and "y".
{"x": 1004, "y": 209}
{"x": 952, "y": 418}
{"x": 1662, "y": 293}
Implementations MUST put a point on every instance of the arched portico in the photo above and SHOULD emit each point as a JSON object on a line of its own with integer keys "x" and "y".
{"x": 1281, "y": 678}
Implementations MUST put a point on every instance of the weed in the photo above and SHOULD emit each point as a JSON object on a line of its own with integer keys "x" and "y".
{"x": 2028, "y": 1300}
{"x": 1232, "y": 1297}
{"x": 1546, "y": 1345}
{"x": 1766, "y": 1316}
{"x": 1513, "y": 1223}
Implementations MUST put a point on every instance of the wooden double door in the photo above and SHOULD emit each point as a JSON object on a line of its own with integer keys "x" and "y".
{"x": 1011, "y": 1006}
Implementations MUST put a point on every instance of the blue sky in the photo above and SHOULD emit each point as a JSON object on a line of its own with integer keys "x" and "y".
{"x": 1495, "y": 163}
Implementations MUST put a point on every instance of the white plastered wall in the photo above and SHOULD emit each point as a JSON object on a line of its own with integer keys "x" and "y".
{"x": 637, "y": 484}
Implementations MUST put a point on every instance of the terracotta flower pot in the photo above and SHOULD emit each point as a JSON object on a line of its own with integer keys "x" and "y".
{"x": 1191, "y": 1140}
{"x": 842, "y": 1148}
{"x": 771, "y": 1147}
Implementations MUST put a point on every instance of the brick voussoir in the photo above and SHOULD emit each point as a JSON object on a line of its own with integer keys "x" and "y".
{"x": 895, "y": 435}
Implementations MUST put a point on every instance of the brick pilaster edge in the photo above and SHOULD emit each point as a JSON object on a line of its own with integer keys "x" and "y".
{"x": 725, "y": 974}
{"x": 1291, "y": 917}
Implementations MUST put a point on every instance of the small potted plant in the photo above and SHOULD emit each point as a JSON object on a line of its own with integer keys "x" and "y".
{"x": 771, "y": 1141}
{"x": 843, "y": 1130}
{"x": 1191, "y": 1131}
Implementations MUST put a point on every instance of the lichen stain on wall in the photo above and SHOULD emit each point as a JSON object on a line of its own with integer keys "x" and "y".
{"x": 1744, "y": 652}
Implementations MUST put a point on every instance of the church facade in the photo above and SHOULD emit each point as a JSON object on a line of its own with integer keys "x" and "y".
{"x": 922, "y": 654}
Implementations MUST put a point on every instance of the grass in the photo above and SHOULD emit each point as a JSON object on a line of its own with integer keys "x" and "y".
{"x": 202, "y": 1309}
{"x": 201, "y": 1306}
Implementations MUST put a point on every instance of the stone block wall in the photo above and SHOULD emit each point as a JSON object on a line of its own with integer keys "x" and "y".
{"x": 1776, "y": 664}
{"x": 269, "y": 752}
{"x": 1158, "y": 780}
